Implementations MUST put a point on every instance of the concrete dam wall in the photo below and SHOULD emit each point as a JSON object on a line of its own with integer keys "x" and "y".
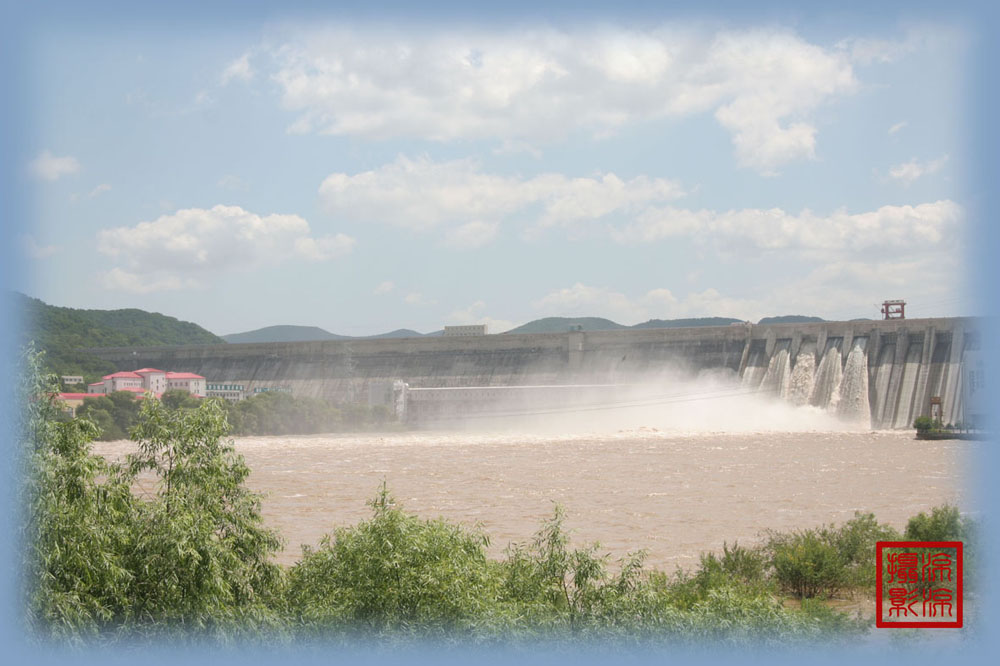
{"x": 885, "y": 371}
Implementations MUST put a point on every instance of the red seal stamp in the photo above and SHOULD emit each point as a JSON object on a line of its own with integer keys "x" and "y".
{"x": 918, "y": 584}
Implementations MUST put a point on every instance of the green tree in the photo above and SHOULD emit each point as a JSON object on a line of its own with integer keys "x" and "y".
{"x": 204, "y": 553}
{"x": 192, "y": 558}
{"x": 78, "y": 516}
{"x": 945, "y": 523}
{"x": 396, "y": 574}
{"x": 126, "y": 409}
{"x": 179, "y": 399}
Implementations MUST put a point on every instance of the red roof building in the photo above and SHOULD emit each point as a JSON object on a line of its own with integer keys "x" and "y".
{"x": 151, "y": 380}
{"x": 187, "y": 381}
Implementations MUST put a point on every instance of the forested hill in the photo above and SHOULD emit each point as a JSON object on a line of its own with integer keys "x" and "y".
{"x": 62, "y": 332}
{"x": 688, "y": 323}
{"x": 790, "y": 319}
{"x": 563, "y": 324}
{"x": 284, "y": 333}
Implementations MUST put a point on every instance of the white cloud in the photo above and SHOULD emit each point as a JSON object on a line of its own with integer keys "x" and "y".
{"x": 474, "y": 314}
{"x": 889, "y": 227}
{"x": 238, "y": 69}
{"x": 838, "y": 289}
{"x": 527, "y": 87}
{"x": 416, "y": 298}
{"x": 908, "y": 172}
{"x": 384, "y": 287}
{"x": 582, "y": 300}
{"x": 144, "y": 283}
{"x": 179, "y": 250}
{"x": 49, "y": 167}
{"x": 898, "y": 126}
{"x": 232, "y": 182}
{"x": 868, "y": 50}
{"x": 99, "y": 190}
{"x": 509, "y": 147}
{"x": 321, "y": 249}
{"x": 846, "y": 287}
{"x": 471, "y": 235}
{"x": 422, "y": 195}
{"x": 33, "y": 250}
{"x": 467, "y": 207}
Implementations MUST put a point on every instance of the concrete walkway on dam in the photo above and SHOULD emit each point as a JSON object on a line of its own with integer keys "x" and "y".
{"x": 891, "y": 368}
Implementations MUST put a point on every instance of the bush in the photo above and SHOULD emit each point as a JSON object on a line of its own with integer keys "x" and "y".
{"x": 807, "y": 565}
{"x": 277, "y": 413}
{"x": 855, "y": 542}
{"x": 745, "y": 569}
{"x": 395, "y": 574}
{"x": 179, "y": 399}
{"x": 944, "y": 524}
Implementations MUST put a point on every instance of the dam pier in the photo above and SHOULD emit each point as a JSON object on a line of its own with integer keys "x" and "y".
{"x": 879, "y": 372}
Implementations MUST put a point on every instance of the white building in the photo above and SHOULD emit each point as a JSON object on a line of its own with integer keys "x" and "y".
{"x": 187, "y": 381}
{"x": 121, "y": 381}
{"x": 465, "y": 331}
{"x": 153, "y": 380}
{"x": 230, "y": 392}
{"x": 149, "y": 380}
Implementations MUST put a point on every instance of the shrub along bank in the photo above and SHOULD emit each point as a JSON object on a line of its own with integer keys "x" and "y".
{"x": 190, "y": 559}
{"x": 262, "y": 414}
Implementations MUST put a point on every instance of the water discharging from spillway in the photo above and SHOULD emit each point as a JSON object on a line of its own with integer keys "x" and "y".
{"x": 778, "y": 373}
{"x": 800, "y": 385}
{"x": 841, "y": 389}
{"x": 853, "y": 406}
{"x": 826, "y": 387}
{"x": 755, "y": 371}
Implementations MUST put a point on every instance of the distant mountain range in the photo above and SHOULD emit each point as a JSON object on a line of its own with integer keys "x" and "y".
{"x": 313, "y": 333}
{"x": 544, "y": 325}
{"x": 62, "y": 332}
{"x": 790, "y": 319}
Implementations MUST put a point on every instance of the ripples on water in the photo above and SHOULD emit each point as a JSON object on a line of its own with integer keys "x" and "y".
{"x": 674, "y": 495}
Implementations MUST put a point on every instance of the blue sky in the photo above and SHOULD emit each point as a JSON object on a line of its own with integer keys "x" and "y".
{"x": 365, "y": 174}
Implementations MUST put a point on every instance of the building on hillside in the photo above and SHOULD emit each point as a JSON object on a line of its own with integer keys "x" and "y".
{"x": 187, "y": 381}
{"x": 69, "y": 402}
{"x": 465, "y": 331}
{"x": 119, "y": 381}
{"x": 230, "y": 392}
{"x": 272, "y": 389}
{"x": 70, "y": 380}
{"x": 153, "y": 380}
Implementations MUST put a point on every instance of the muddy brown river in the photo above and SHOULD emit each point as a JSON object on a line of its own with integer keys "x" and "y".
{"x": 673, "y": 495}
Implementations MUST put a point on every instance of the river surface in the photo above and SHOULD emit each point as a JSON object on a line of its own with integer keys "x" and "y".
{"x": 673, "y": 495}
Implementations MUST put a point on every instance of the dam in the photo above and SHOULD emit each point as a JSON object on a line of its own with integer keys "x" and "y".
{"x": 880, "y": 372}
